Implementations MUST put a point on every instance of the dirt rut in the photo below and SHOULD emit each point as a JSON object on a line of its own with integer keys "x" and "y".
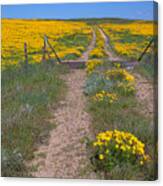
{"x": 85, "y": 55}
{"x": 66, "y": 155}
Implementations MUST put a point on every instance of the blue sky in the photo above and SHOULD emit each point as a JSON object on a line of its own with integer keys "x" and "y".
{"x": 130, "y": 10}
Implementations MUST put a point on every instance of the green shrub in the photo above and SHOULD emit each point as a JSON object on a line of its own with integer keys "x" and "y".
{"x": 95, "y": 83}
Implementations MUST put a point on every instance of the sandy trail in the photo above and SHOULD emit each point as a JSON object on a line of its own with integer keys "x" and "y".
{"x": 91, "y": 46}
{"x": 66, "y": 155}
{"x": 145, "y": 94}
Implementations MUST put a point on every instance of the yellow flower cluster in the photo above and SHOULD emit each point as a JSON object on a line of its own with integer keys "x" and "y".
{"x": 15, "y": 32}
{"x": 111, "y": 97}
{"x": 69, "y": 51}
{"x": 128, "y": 49}
{"x": 117, "y": 65}
{"x": 122, "y": 143}
{"x": 96, "y": 53}
{"x": 119, "y": 73}
{"x": 92, "y": 64}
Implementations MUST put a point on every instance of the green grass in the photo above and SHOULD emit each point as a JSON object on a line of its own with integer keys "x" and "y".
{"x": 126, "y": 37}
{"x": 148, "y": 66}
{"x": 76, "y": 40}
{"x": 125, "y": 114}
{"x": 27, "y": 98}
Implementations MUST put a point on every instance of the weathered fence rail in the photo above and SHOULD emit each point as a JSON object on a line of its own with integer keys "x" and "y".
{"x": 52, "y": 48}
{"x": 75, "y": 64}
{"x": 25, "y": 54}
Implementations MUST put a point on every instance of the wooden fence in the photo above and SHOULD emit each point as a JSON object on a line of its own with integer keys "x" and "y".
{"x": 75, "y": 63}
{"x": 45, "y": 52}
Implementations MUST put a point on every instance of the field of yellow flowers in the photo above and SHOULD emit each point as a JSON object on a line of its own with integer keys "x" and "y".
{"x": 129, "y": 39}
{"x": 69, "y": 38}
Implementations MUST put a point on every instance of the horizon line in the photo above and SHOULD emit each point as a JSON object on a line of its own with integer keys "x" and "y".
{"x": 82, "y": 18}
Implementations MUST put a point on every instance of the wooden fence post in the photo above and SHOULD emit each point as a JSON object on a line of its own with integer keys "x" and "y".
{"x": 44, "y": 52}
{"x": 53, "y": 50}
{"x": 25, "y": 54}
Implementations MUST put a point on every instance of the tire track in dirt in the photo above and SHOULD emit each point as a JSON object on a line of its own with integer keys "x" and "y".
{"x": 85, "y": 55}
{"x": 108, "y": 48}
{"x": 66, "y": 156}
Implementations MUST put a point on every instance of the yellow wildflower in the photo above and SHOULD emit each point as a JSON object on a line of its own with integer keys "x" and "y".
{"x": 141, "y": 162}
{"x": 101, "y": 156}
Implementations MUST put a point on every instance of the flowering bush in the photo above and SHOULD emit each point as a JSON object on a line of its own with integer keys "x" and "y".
{"x": 103, "y": 95}
{"x": 113, "y": 148}
{"x": 124, "y": 82}
{"x": 92, "y": 64}
{"x": 119, "y": 74}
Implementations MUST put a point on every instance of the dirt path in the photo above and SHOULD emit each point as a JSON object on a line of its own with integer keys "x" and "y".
{"x": 145, "y": 94}
{"x": 85, "y": 55}
{"x": 66, "y": 155}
